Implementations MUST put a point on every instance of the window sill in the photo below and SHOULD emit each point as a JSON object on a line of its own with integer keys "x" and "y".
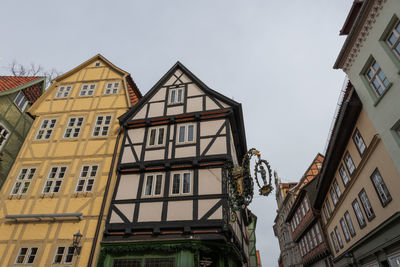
{"x": 383, "y": 94}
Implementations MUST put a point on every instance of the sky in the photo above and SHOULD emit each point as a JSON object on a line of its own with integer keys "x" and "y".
{"x": 274, "y": 57}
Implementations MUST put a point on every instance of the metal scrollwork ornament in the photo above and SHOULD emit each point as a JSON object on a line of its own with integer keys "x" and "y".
{"x": 240, "y": 181}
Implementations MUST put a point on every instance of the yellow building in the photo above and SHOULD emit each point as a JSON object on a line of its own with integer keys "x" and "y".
{"x": 60, "y": 181}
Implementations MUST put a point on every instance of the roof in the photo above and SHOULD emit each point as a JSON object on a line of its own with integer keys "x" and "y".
{"x": 12, "y": 82}
{"x": 238, "y": 121}
{"x": 351, "y": 17}
{"x": 343, "y": 128}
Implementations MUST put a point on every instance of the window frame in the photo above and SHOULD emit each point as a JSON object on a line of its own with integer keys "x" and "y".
{"x": 389, "y": 197}
{"x": 46, "y": 129}
{"x": 339, "y": 237}
{"x": 24, "y": 101}
{"x": 61, "y": 93}
{"x": 181, "y": 182}
{"x": 366, "y": 202}
{"x": 334, "y": 197}
{"x": 157, "y": 136}
{"x": 54, "y": 179}
{"x": 343, "y": 170}
{"x": 74, "y": 127}
{"x": 390, "y": 31}
{"x": 87, "y": 178}
{"x": 3, "y": 139}
{"x": 362, "y": 223}
{"x": 85, "y": 92}
{"x": 336, "y": 186}
{"x": 359, "y": 137}
{"x": 22, "y": 182}
{"x": 346, "y": 232}
{"x": 370, "y": 67}
{"x": 186, "y": 134}
{"x": 319, "y": 233}
{"x": 176, "y": 91}
{"x": 102, "y": 125}
{"x": 349, "y": 222}
{"x": 348, "y": 156}
{"x": 27, "y": 255}
{"x": 153, "y": 185}
{"x": 64, "y": 255}
{"x": 112, "y": 88}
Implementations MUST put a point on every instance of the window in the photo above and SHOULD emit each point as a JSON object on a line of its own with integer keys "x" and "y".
{"x": 46, "y": 129}
{"x": 153, "y": 185}
{"x": 186, "y": 133}
{"x": 181, "y": 183}
{"x": 349, "y": 223}
{"x": 97, "y": 64}
{"x": 297, "y": 218}
{"x": 328, "y": 206}
{"x": 23, "y": 182}
{"x": 4, "y": 134}
{"x": 393, "y": 39}
{"x": 349, "y": 163}
{"x": 102, "y": 125}
{"x": 175, "y": 96}
{"x": 366, "y": 205}
{"x": 54, "y": 180}
{"x": 306, "y": 204}
{"x": 344, "y": 229}
{"x": 314, "y": 237}
{"x": 358, "y": 212}
{"x": 87, "y": 90}
{"x": 111, "y": 88}
{"x": 64, "y": 255}
{"x": 376, "y": 78}
{"x": 359, "y": 142}
{"x": 380, "y": 187}
{"x": 86, "y": 180}
{"x": 292, "y": 225}
{"x": 337, "y": 188}
{"x": 334, "y": 241}
{"x": 333, "y": 195}
{"x": 26, "y": 255}
{"x": 157, "y": 136}
{"x": 310, "y": 241}
{"x": 305, "y": 242}
{"x": 318, "y": 231}
{"x": 63, "y": 91}
{"x": 73, "y": 127}
{"x": 301, "y": 249}
{"x": 325, "y": 214}
{"x": 21, "y": 101}
{"x": 303, "y": 210}
{"x": 339, "y": 238}
{"x": 343, "y": 175}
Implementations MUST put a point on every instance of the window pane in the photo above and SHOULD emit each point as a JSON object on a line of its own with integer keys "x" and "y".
{"x": 152, "y": 137}
{"x": 358, "y": 212}
{"x": 157, "y": 190}
{"x": 179, "y": 95}
{"x": 366, "y": 205}
{"x": 190, "y": 133}
{"x": 344, "y": 229}
{"x": 381, "y": 188}
{"x": 172, "y": 100}
{"x": 349, "y": 223}
{"x": 343, "y": 175}
{"x": 176, "y": 184}
{"x": 181, "y": 134}
{"x": 186, "y": 183}
{"x": 160, "y": 136}
{"x": 149, "y": 184}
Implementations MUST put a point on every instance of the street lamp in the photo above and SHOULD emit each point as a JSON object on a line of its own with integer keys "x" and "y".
{"x": 76, "y": 241}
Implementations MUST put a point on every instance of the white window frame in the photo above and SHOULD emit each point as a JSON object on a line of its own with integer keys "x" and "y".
{"x": 349, "y": 223}
{"x": 100, "y": 128}
{"x": 334, "y": 241}
{"x": 343, "y": 175}
{"x": 173, "y": 95}
{"x": 333, "y": 196}
{"x": 155, "y": 177}
{"x": 359, "y": 142}
{"x": 344, "y": 230}
{"x": 112, "y": 89}
{"x": 380, "y": 188}
{"x": 319, "y": 235}
{"x": 338, "y": 236}
{"x": 359, "y": 215}
{"x": 186, "y": 132}
{"x": 27, "y": 256}
{"x": 25, "y": 176}
{"x": 54, "y": 179}
{"x": 328, "y": 207}
{"x": 369, "y": 211}
{"x": 88, "y": 179}
{"x": 63, "y": 91}
{"x": 373, "y": 73}
{"x": 44, "y": 133}
{"x": 89, "y": 90}
{"x": 22, "y": 102}
{"x": 64, "y": 255}
{"x": 314, "y": 237}
{"x": 156, "y": 131}
{"x": 74, "y": 128}
{"x": 181, "y": 182}
{"x": 337, "y": 189}
{"x": 4, "y": 134}
{"x": 306, "y": 204}
{"x": 348, "y": 161}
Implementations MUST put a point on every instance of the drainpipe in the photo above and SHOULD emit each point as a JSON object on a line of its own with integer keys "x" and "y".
{"x": 103, "y": 204}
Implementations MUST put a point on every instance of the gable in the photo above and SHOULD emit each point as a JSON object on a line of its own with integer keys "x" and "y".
{"x": 179, "y": 92}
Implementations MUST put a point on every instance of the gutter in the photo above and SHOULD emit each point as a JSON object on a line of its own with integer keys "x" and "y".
{"x": 103, "y": 204}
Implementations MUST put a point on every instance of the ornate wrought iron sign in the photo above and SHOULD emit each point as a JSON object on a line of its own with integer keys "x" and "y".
{"x": 240, "y": 181}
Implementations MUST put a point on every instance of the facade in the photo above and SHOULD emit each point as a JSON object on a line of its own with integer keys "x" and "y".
{"x": 58, "y": 184}
{"x": 254, "y": 254}
{"x": 17, "y": 94}
{"x": 371, "y": 58}
{"x": 357, "y": 191}
{"x": 286, "y": 195}
{"x": 307, "y": 228}
{"x": 170, "y": 204}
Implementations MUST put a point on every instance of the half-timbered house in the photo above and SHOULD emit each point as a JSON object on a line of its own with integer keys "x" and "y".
{"x": 170, "y": 204}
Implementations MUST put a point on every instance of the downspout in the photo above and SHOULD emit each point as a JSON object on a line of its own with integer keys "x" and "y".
{"x": 103, "y": 204}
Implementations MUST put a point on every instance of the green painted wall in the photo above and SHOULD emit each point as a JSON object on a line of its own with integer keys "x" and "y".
{"x": 384, "y": 111}
{"x": 251, "y": 229}
{"x": 18, "y": 124}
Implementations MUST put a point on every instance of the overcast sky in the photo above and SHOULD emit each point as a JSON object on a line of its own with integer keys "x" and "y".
{"x": 275, "y": 57}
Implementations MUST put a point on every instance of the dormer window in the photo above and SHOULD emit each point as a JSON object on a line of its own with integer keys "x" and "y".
{"x": 20, "y": 101}
{"x": 175, "y": 96}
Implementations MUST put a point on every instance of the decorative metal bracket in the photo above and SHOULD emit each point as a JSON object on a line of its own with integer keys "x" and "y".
{"x": 240, "y": 181}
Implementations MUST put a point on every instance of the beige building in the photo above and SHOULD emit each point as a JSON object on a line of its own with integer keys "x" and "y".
{"x": 357, "y": 192}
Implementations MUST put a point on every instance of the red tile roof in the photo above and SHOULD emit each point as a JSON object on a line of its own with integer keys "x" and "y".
{"x": 133, "y": 91}
{"x": 11, "y": 82}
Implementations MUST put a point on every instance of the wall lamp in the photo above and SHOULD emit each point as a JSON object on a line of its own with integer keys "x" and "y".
{"x": 76, "y": 241}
